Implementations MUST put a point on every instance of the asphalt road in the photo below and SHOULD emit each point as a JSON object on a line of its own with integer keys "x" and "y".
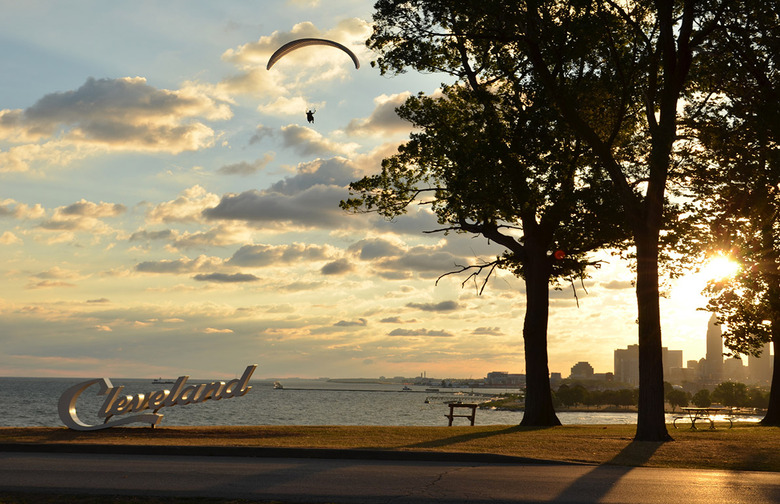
{"x": 318, "y": 480}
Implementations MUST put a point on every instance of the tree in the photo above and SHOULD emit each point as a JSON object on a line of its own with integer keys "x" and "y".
{"x": 492, "y": 158}
{"x": 731, "y": 394}
{"x": 702, "y": 398}
{"x": 608, "y": 68}
{"x": 736, "y": 118}
{"x": 677, "y": 398}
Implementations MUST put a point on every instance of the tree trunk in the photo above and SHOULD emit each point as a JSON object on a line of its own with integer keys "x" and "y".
{"x": 772, "y": 416}
{"x": 539, "y": 410}
{"x": 651, "y": 422}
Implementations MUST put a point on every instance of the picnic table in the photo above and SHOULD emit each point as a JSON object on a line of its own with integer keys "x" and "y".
{"x": 696, "y": 413}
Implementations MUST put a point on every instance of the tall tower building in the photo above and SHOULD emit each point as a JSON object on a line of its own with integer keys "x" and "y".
{"x": 714, "y": 368}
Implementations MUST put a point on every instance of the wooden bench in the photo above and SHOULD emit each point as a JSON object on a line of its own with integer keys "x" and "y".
{"x": 452, "y": 415}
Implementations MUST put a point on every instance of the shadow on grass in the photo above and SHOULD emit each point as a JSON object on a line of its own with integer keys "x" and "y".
{"x": 596, "y": 484}
{"x": 472, "y": 436}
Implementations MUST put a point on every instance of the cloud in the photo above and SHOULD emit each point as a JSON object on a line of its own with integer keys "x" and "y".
{"x": 178, "y": 266}
{"x": 124, "y": 114}
{"x": 383, "y": 120}
{"x": 305, "y": 66}
{"x": 435, "y": 307}
{"x": 375, "y": 248}
{"x": 49, "y": 283}
{"x": 244, "y": 168}
{"x": 211, "y": 330}
{"x": 309, "y": 142}
{"x": 361, "y": 322}
{"x": 618, "y": 284}
{"x": 314, "y": 207}
{"x": 419, "y": 332}
{"x": 396, "y": 320}
{"x": 338, "y": 267}
{"x": 261, "y": 255}
{"x": 226, "y": 278}
{"x": 428, "y": 261}
{"x": 144, "y": 235}
{"x": 188, "y": 207}
{"x": 84, "y": 208}
{"x": 489, "y": 331}
{"x": 83, "y": 216}
{"x": 8, "y": 238}
{"x": 22, "y": 211}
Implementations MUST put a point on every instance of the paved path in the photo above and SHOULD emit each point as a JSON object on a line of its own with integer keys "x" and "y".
{"x": 305, "y": 480}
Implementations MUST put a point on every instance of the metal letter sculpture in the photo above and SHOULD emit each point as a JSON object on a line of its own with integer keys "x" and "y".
{"x": 115, "y": 404}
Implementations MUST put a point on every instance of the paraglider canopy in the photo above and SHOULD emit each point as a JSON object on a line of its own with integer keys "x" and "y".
{"x": 297, "y": 44}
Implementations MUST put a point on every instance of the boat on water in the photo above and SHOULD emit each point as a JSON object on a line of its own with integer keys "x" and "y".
{"x": 278, "y": 385}
{"x": 161, "y": 381}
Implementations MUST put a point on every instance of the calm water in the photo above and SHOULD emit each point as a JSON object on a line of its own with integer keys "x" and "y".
{"x": 32, "y": 402}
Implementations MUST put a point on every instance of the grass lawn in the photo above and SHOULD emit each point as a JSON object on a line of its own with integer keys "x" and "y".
{"x": 745, "y": 447}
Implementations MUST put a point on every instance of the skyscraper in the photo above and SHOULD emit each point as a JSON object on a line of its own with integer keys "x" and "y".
{"x": 760, "y": 368}
{"x": 714, "y": 361}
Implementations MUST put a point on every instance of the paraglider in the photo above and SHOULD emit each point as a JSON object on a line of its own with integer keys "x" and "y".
{"x": 310, "y": 115}
{"x": 297, "y": 44}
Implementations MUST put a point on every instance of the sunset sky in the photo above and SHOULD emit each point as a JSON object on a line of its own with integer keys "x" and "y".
{"x": 166, "y": 209}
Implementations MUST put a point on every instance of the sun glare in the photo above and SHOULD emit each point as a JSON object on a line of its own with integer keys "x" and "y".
{"x": 719, "y": 267}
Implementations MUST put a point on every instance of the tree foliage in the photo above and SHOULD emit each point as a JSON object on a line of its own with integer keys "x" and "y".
{"x": 735, "y": 116}
{"x": 492, "y": 157}
{"x": 614, "y": 74}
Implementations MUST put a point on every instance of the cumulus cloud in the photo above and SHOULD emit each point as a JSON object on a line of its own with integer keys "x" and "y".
{"x": 188, "y": 207}
{"x": 261, "y": 255}
{"x": 179, "y": 266}
{"x": 435, "y": 307}
{"x": 8, "y": 238}
{"x": 314, "y": 207}
{"x": 124, "y": 114}
{"x": 83, "y": 216}
{"x": 383, "y": 120}
{"x": 430, "y": 261}
{"x": 22, "y": 211}
{"x": 309, "y": 142}
{"x": 487, "y": 331}
{"x": 375, "y": 248}
{"x": 338, "y": 267}
{"x": 327, "y": 60}
{"x": 361, "y": 322}
{"x": 618, "y": 284}
{"x": 419, "y": 332}
{"x": 226, "y": 278}
{"x": 245, "y": 168}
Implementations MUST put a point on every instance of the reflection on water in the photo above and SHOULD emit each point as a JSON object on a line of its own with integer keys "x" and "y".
{"x": 30, "y": 402}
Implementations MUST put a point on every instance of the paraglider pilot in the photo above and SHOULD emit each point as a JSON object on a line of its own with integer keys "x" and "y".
{"x": 310, "y": 115}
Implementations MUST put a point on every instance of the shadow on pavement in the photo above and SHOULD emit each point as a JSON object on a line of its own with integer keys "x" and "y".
{"x": 596, "y": 484}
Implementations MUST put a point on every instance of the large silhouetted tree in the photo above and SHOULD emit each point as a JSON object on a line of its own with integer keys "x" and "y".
{"x": 492, "y": 158}
{"x": 606, "y": 67}
{"x": 735, "y": 116}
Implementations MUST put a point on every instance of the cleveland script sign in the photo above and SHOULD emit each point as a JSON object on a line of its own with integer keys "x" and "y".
{"x": 117, "y": 404}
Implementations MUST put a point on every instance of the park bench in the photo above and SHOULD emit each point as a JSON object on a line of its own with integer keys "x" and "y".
{"x": 452, "y": 415}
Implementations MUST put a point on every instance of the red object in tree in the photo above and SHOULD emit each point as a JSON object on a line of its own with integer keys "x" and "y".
{"x": 559, "y": 254}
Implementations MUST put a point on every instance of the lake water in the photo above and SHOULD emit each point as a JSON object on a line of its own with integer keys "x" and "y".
{"x": 32, "y": 402}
